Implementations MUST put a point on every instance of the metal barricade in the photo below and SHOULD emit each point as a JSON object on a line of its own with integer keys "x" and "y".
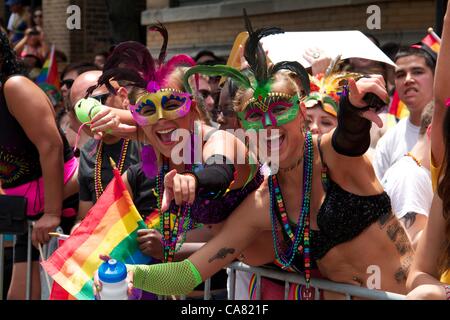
{"x": 287, "y": 277}
{"x": 46, "y": 252}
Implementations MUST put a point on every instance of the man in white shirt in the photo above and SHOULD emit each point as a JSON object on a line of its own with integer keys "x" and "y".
{"x": 414, "y": 83}
{"x": 408, "y": 183}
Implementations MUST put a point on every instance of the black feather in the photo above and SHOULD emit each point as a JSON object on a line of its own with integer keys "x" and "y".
{"x": 255, "y": 55}
{"x": 163, "y": 31}
{"x": 132, "y": 55}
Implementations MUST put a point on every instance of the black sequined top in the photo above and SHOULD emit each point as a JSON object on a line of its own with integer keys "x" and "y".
{"x": 341, "y": 217}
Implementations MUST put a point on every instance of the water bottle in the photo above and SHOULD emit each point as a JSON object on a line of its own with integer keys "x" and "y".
{"x": 87, "y": 108}
{"x": 112, "y": 275}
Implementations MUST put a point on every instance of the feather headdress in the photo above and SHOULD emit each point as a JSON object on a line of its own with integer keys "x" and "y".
{"x": 327, "y": 88}
{"x": 259, "y": 75}
{"x": 132, "y": 62}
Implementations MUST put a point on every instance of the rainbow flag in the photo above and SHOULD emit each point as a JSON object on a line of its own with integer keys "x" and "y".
{"x": 110, "y": 228}
{"x": 397, "y": 110}
{"x": 49, "y": 72}
{"x": 430, "y": 43}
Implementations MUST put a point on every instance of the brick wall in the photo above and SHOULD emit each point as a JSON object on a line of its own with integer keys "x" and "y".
{"x": 55, "y": 16}
{"x": 78, "y": 45}
{"x": 404, "y": 21}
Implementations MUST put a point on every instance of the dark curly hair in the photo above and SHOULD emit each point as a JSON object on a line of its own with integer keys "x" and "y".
{"x": 9, "y": 64}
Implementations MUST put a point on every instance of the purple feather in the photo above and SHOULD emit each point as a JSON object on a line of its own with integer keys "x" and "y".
{"x": 149, "y": 161}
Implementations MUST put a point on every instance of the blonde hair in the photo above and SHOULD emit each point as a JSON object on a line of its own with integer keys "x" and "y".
{"x": 292, "y": 86}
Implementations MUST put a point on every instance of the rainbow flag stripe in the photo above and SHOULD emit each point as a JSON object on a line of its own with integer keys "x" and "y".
{"x": 49, "y": 72}
{"x": 430, "y": 41}
{"x": 110, "y": 228}
{"x": 397, "y": 109}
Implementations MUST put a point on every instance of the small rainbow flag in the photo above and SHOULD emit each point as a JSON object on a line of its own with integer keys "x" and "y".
{"x": 430, "y": 43}
{"x": 110, "y": 228}
{"x": 49, "y": 72}
{"x": 397, "y": 109}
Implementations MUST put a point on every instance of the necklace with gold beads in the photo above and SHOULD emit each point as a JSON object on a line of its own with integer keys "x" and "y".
{"x": 98, "y": 166}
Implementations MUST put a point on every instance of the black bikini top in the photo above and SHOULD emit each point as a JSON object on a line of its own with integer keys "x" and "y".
{"x": 344, "y": 215}
{"x": 341, "y": 217}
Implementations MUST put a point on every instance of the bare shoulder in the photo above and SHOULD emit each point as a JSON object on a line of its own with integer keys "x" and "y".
{"x": 17, "y": 83}
{"x": 19, "y": 88}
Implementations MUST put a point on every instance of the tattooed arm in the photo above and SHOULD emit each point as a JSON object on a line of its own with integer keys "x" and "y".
{"x": 239, "y": 231}
{"x": 423, "y": 280}
{"x": 414, "y": 223}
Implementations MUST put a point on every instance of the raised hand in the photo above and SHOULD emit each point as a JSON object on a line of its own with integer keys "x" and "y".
{"x": 178, "y": 187}
{"x": 357, "y": 90}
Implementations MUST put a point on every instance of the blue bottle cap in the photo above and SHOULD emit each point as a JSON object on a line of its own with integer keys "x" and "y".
{"x": 112, "y": 271}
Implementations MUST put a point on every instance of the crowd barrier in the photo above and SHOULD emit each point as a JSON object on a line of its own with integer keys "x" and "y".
{"x": 348, "y": 290}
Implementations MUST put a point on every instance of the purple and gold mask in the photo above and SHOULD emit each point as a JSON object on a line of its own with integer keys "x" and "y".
{"x": 169, "y": 104}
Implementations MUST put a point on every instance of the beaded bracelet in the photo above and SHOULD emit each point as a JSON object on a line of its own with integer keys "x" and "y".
{"x": 447, "y": 291}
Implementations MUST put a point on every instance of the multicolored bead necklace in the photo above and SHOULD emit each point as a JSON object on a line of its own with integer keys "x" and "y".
{"x": 98, "y": 166}
{"x": 300, "y": 237}
{"x": 181, "y": 224}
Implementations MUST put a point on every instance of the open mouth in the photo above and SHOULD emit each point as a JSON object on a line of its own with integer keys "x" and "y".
{"x": 274, "y": 142}
{"x": 165, "y": 135}
{"x": 410, "y": 91}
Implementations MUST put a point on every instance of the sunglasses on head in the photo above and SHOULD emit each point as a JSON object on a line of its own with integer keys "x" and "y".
{"x": 68, "y": 83}
{"x": 101, "y": 97}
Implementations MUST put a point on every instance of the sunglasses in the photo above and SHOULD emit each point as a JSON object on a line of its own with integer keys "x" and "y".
{"x": 101, "y": 97}
{"x": 68, "y": 83}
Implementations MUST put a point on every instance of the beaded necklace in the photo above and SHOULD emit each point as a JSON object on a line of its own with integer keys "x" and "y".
{"x": 98, "y": 166}
{"x": 302, "y": 230}
{"x": 181, "y": 224}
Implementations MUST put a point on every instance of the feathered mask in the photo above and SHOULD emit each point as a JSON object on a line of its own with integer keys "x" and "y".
{"x": 327, "y": 88}
{"x": 132, "y": 62}
{"x": 259, "y": 75}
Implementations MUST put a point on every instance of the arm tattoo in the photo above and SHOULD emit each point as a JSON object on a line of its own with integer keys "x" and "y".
{"x": 409, "y": 219}
{"x": 221, "y": 254}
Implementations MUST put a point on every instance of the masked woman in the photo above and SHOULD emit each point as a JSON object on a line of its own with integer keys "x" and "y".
{"x": 195, "y": 165}
{"x": 324, "y": 207}
{"x": 322, "y": 103}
